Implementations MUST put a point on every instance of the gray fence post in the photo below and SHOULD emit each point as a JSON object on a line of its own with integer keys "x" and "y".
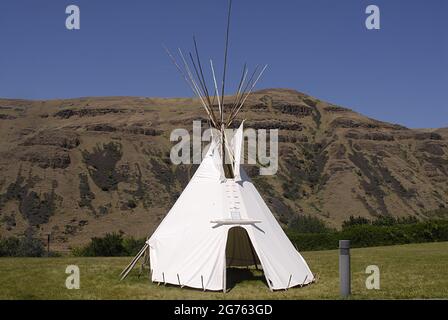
{"x": 344, "y": 268}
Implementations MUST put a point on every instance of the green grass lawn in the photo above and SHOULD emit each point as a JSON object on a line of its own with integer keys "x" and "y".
{"x": 407, "y": 272}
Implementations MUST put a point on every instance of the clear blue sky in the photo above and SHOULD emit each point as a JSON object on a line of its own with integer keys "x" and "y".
{"x": 397, "y": 74}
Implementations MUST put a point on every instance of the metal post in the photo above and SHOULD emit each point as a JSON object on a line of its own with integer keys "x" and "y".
{"x": 48, "y": 244}
{"x": 344, "y": 268}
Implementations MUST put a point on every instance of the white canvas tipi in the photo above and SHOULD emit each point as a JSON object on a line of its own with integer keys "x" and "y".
{"x": 220, "y": 219}
{"x": 219, "y": 222}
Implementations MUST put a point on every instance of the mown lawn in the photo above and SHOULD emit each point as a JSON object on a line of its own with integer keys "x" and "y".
{"x": 407, "y": 272}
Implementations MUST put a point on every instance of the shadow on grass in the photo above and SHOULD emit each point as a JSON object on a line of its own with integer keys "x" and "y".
{"x": 235, "y": 276}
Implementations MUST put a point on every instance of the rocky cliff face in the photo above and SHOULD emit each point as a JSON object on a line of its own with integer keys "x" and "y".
{"x": 82, "y": 167}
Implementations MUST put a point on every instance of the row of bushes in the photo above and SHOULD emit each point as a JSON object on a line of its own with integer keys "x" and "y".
{"x": 306, "y": 232}
{"x": 111, "y": 245}
{"x": 366, "y": 234}
{"x": 21, "y": 247}
{"x": 311, "y": 224}
{"x": 369, "y": 235}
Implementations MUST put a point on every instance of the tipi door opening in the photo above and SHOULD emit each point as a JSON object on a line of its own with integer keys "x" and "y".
{"x": 242, "y": 262}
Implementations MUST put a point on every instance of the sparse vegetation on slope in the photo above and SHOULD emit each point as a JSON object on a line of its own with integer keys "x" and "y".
{"x": 80, "y": 168}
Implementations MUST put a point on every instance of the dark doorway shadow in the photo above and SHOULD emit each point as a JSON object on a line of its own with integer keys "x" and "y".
{"x": 234, "y": 276}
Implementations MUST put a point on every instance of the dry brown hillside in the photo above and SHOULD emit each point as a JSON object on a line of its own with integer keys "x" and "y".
{"x": 82, "y": 167}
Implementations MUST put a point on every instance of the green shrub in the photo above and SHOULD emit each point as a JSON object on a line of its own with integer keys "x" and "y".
{"x": 21, "y": 247}
{"x": 9, "y": 247}
{"x": 132, "y": 246}
{"x": 308, "y": 224}
{"x": 31, "y": 247}
{"x": 314, "y": 241}
{"x": 111, "y": 245}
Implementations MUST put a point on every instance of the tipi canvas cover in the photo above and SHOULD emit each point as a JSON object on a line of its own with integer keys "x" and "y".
{"x": 220, "y": 219}
{"x": 218, "y": 222}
